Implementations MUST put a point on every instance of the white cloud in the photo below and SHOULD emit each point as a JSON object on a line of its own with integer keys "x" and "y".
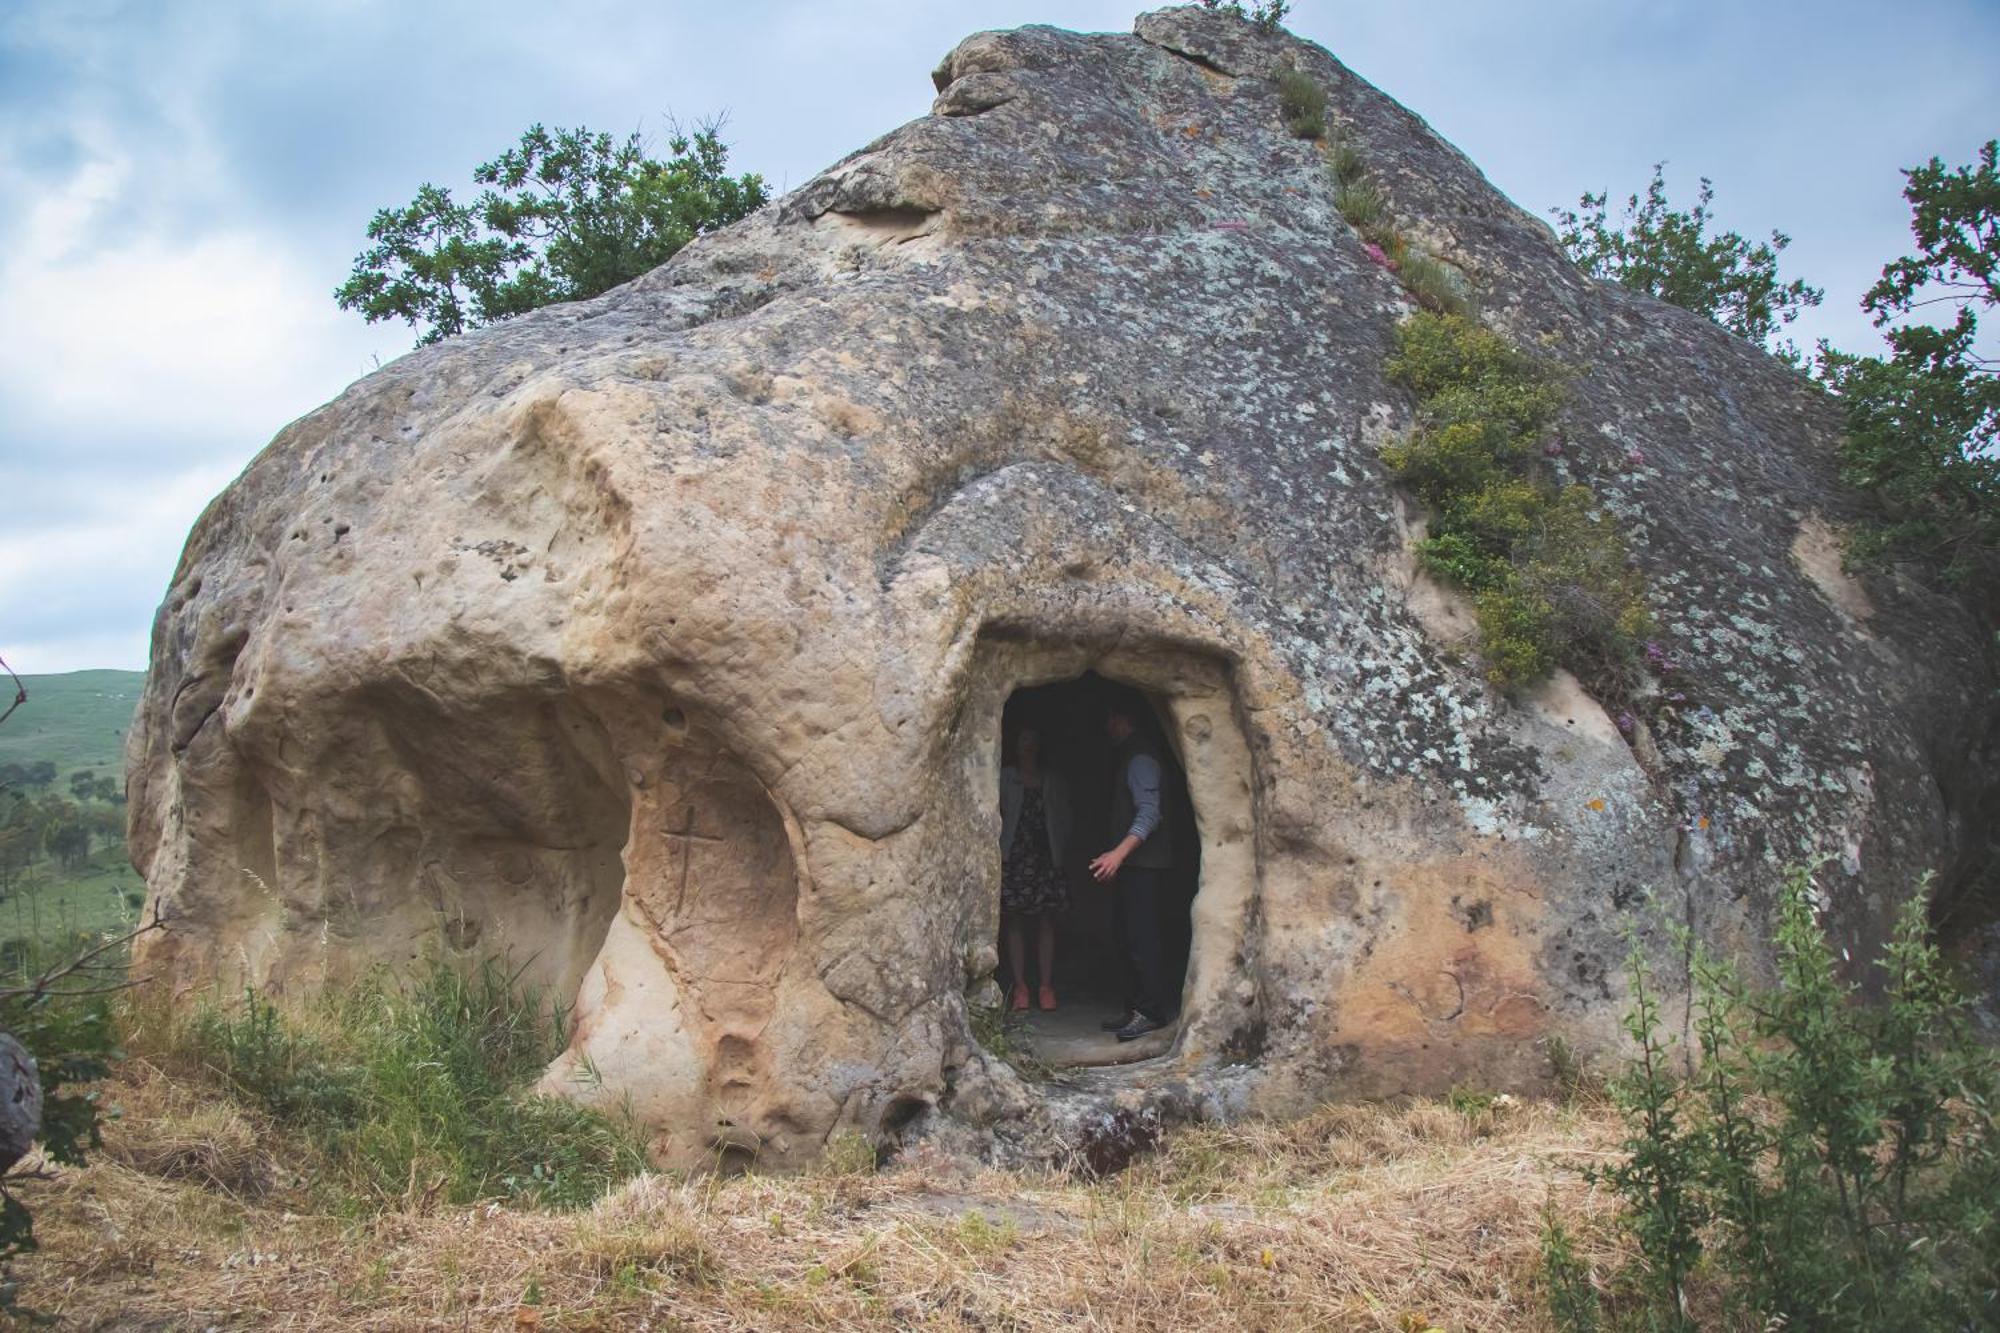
{"x": 81, "y": 595}
{"x": 140, "y": 371}
{"x": 225, "y": 335}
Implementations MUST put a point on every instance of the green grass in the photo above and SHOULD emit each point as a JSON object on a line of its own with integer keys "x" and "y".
{"x": 95, "y": 900}
{"x": 1302, "y": 102}
{"x": 998, "y": 1031}
{"x": 1435, "y": 285}
{"x": 1345, "y": 164}
{"x": 77, "y": 720}
{"x": 394, "y": 1089}
{"x": 1364, "y": 206}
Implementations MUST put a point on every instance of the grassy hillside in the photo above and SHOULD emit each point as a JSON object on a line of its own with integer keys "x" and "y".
{"x": 77, "y": 719}
{"x": 53, "y": 903}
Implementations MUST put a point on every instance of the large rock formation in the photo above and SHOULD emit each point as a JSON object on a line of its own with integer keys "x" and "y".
{"x": 661, "y": 640}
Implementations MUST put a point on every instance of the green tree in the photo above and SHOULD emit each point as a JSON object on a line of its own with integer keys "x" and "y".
{"x": 67, "y": 838}
{"x": 18, "y": 848}
{"x": 1923, "y": 422}
{"x": 566, "y": 214}
{"x": 1268, "y": 15}
{"x": 1671, "y": 253}
{"x": 106, "y": 823}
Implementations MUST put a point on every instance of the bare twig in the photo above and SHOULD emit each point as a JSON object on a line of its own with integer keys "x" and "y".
{"x": 20, "y": 690}
{"x": 43, "y": 986}
{"x": 112, "y": 989}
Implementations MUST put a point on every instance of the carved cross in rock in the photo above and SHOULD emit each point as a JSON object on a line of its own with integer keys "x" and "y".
{"x": 685, "y": 837}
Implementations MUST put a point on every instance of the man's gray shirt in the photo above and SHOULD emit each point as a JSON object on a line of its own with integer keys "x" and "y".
{"x": 1142, "y": 779}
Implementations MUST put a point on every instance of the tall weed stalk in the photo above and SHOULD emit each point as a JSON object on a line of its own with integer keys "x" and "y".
{"x": 1658, "y": 1178}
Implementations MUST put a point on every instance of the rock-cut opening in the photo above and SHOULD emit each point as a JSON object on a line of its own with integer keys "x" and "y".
{"x": 1109, "y": 947}
{"x": 1204, "y": 878}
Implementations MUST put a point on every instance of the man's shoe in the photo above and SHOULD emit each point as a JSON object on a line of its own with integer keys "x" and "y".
{"x": 1138, "y": 1027}
{"x": 1123, "y": 1020}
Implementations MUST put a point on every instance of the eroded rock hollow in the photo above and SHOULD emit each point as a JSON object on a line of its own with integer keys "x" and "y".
{"x": 659, "y": 642}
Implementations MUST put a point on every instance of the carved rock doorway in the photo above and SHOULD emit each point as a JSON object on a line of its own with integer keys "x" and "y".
{"x": 1091, "y": 974}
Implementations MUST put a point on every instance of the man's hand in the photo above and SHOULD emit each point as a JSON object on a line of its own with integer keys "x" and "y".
{"x": 1106, "y": 866}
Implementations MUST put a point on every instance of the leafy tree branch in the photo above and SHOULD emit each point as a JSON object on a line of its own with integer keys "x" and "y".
{"x": 1924, "y": 420}
{"x": 1671, "y": 253}
{"x": 566, "y": 214}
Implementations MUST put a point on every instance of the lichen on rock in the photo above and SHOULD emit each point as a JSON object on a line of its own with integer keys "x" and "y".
{"x": 659, "y": 641}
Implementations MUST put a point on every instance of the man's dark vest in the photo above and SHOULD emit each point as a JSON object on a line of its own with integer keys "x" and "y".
{"x": 1157, "y": 851}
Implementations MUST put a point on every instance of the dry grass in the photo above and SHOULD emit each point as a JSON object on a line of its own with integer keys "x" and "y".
{"x": 1361, "y": 1217}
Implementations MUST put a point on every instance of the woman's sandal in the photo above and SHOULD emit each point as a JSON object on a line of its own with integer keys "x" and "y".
{"x": 1048, "y": 998}
{"x": 1020, "y": 1000}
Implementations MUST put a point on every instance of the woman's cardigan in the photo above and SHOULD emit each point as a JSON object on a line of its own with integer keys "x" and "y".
{"x": 1055, "y": 808}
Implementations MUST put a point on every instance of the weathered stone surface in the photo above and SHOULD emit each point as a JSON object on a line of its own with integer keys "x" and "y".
{"x": 661, "y": 640}
{"x": 20, "y": 1101}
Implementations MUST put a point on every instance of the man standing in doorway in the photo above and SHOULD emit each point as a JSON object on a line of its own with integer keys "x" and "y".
{"x": 1137, "y": 867}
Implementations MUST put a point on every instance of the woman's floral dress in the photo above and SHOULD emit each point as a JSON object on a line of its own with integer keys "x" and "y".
{"x": 1030, "y": 882}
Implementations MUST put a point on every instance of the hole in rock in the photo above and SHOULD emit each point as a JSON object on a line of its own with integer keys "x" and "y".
{"x": 899, "y": 1114}
{"x": 733, "y": 1159}
{"x": 1074, "y": 784}
{"x": 884, "y": 226}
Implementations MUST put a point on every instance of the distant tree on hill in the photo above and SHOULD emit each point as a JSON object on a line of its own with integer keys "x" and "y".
{"x": 566, "y": 214}
{"x": 17, "y": 853}
{"x": 86, "y": 785}
{"x": 107, "y": 824}
{"x": 1671, "y": 254}
{"x": 66, "y": 834}
{"x": 1924, "y": 421}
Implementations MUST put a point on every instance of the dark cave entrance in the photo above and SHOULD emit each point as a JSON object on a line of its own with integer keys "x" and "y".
{"x": 1091, "y": 976}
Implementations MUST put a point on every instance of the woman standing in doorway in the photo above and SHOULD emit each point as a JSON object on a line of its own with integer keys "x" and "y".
{"x": 1034, "y": 839}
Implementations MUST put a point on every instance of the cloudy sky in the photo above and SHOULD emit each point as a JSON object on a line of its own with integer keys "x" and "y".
{"x": 182, "y": 185}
